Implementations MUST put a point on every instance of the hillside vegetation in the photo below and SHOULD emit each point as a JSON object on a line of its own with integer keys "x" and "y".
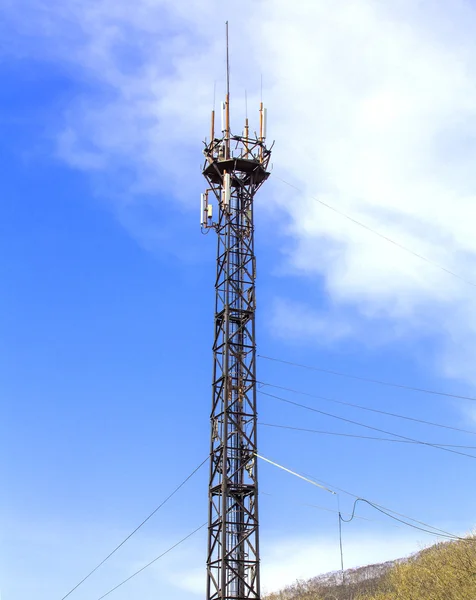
{"x": 445, "y": 571}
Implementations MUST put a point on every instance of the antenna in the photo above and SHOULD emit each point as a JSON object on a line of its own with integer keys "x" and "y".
{"x": 227, "y": 63}
{"x": 246, "y": 131}
{"x": 227, "y": 109}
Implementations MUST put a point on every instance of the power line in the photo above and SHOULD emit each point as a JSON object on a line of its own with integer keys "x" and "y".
{"x": 388, "y": 514}
{"x": 369, "y": 380}
{"x": 295, "y": 474}
{"x": 367, "y": 408}
{"x": 367, "y": 426}
{"x": 382, "y": 509}
{"x": 354, "y": 516}
{"x": 380, "y": 235}
{"x": 360, "y": 437}
{"x": 339, "y": 489}
{"x": 152, "y": 561}
{"x": 341, "y": 549}
{"x": 136, "y": 529}
{"x": 323, "y": 508}
{"x": 313, "y": 506}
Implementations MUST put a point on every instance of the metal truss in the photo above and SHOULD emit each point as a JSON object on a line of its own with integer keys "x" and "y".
{"x": 235, "y": 167}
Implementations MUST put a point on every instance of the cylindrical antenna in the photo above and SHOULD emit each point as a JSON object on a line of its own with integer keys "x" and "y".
{"x": 246, "y": 132}
{"x": 212, "y": 128}
{"x": 223, "y": 118}
{"x": 261, "y": 130}
{"x": 227, "y": 116}
{"x": 227, "y": 63}
{"x": 247, "y": 135}
{"x": 226, "y": 193}
{"x": 261, "y": 121}
{"x": 202, "y": 209}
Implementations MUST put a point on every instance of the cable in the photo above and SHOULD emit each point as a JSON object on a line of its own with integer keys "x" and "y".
{"x": 403, "y": 437}
{"x": 341, "y": 547}
{"x": 380, "y": 235}
{"x": 375, "y": 410}
{"x": 382, "y": 507}
{"x": 322, "y": 508}
{"x": 361, "y": 437}
{"x": 136, "y": 529}
{"x": 152, "y": 561}
{"x": 296, "y": 474}
{"x": 353, "y": 515}
{"x": 369, "y": 380}
{"x": 375, "y": 505}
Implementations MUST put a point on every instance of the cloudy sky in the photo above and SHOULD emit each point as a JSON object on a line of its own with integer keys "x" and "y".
{"x": 366, "y": 265}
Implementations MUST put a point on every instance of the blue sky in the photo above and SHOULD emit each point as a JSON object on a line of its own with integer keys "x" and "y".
{"x": 107, "y": 283}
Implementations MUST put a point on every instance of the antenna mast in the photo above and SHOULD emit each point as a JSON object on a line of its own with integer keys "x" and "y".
{"x": 233, "y": 178}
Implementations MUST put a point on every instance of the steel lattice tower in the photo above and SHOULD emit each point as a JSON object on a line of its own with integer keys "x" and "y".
{"x": 235, "y": 168}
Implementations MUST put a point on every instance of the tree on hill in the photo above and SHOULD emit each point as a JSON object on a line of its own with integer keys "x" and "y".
{"x": 445, "y": 571}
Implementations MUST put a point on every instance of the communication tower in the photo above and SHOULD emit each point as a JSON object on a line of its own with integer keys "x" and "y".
{"x": 236, "y": 166}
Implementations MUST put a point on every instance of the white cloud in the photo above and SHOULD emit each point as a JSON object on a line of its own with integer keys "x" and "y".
{"x": 373, "y": 106}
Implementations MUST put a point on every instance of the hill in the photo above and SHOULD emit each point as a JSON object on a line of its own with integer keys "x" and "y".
{"x": 445, "y": 571}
